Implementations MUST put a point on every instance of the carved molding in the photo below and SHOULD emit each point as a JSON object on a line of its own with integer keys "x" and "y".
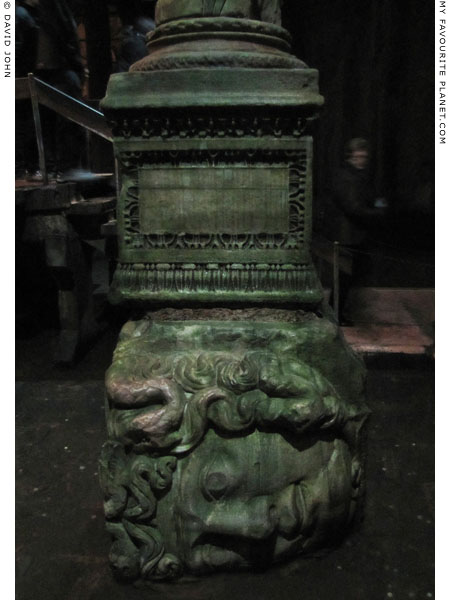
{"x": 213, "y": 278}
{"x": 182, "y": 126}
{"x": 185, "y": 60}
{"x": 219, "y": 24}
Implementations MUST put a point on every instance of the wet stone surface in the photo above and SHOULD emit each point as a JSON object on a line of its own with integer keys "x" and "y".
{"x": 62, "y": 546}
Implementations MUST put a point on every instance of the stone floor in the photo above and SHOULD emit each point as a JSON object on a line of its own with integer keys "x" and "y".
{"x": 391, "y": 320}
{"x": 62, "y": 546}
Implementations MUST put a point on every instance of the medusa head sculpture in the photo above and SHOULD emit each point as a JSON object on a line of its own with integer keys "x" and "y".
{"x": 223, "y": 460}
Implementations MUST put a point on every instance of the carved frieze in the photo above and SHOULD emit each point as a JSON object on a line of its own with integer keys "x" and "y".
{"x": 180, "y": 126}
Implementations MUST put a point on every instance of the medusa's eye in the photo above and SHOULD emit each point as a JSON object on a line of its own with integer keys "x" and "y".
{"x": 217, "y": 478}
{"x": 215, "y": 485}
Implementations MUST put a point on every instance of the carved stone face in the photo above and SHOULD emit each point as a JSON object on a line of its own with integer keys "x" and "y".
{"x": 250, "y": 501}
{"x": 220, "y": 459}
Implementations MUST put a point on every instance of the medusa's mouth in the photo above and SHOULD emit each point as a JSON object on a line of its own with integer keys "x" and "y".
{"x": 213, "y": 552}
{"x": 222, "y": 553}
{"x": 254, "y": 542}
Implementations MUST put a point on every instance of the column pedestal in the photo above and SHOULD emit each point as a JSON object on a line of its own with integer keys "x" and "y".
{"x": 234, "y": 410}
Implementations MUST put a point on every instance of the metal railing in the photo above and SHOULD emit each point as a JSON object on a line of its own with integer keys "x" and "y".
{"x": 340, "y": 257}
{"x": 70, "y": 108}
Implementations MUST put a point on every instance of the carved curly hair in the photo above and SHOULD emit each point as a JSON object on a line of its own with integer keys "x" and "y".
{"x": 168, "y": 403}
{"x": 162, "y": 408}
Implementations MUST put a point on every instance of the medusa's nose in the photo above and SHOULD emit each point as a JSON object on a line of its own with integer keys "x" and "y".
{"x": 255, "y": 518}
